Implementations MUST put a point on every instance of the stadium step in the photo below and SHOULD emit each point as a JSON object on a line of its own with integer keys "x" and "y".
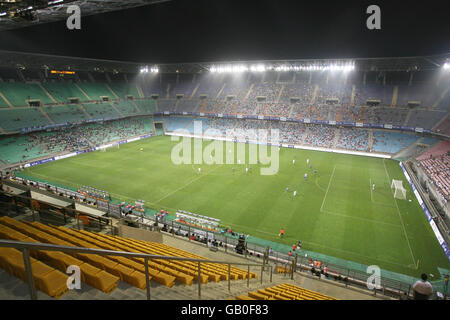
{"x": 46, "y": 115}
{"x": 314, "y": 96}
{"x": 336, "y": 137}
{"x": 394, "y": 96}
{"x": 440, "y": 122}
{"x": 408, "y": 116}
{"x": 370, "y": 143}
{"x": 47, "y": 93}
{"x": 220, "y": 92}
{"x": 6, "y": 100}
{"x": 279, "y": 94}
{"x": 441, "y": 97}
{"x": 194, "y": 91}
{"x": 117, "y": 110}
{"x": 79, "y": 88}
{"x": 84, "y": 110}
{"x": 139, "y": 90}
{"x": 248, "y": 93}
{"x": 112, "y": 91}
{"x": 352, "y": 98}
{"x": 136, "y": 106}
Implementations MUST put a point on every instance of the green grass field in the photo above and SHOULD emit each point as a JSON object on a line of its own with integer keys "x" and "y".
{"x": 335, "y": 212}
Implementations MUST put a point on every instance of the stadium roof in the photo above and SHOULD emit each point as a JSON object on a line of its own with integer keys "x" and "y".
{"x": 23, "y": 13}
{"x": 14, "y": 59}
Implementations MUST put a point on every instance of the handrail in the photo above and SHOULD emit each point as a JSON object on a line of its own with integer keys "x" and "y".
{"x": 26, "y": 247}
{"x": 104, "y": 252}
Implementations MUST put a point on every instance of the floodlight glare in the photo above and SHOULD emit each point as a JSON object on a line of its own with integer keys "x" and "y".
{"x": 143, "y": 69}
{"x": 446, "y": 66}
{"x": 258, "y": 68}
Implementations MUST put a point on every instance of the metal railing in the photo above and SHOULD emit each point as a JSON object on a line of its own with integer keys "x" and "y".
{"x": 391, "y": 287}
{"x": 25, "y": 247}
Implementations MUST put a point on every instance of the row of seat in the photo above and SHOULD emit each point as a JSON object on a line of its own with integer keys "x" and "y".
{"x": 284, "y": 291}
{"x": 237, "y": 273}
{"x": 102, "y": 272}
{"x": 123, "y": 268}
{"x": 157, "y": 268}
{"x": 92, "y": 272}
{"x": 185, "y": 267}
{"x": 46, "y": 279}
{"x": 133, "y": 263}
{"x": 281, "y": 269}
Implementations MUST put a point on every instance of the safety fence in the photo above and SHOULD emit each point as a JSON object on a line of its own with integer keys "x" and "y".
{"x": 348, "y": 272}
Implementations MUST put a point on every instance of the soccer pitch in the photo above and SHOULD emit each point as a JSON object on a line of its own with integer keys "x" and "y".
{"x": 335, "y": 212}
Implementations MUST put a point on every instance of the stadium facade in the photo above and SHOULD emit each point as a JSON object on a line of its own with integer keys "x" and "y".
{"x": 54, "y": 107}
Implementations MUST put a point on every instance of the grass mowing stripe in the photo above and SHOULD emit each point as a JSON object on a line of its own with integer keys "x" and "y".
{"x": 361, "y": 227}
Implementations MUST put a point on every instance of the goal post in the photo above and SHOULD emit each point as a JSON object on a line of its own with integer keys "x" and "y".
{"x": 109, "y": 147}
{"x": 399, "y": 191}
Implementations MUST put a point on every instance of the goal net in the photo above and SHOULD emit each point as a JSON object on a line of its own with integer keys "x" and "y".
{"x": 399, "y": 191}
{"x": 104, "y": 149}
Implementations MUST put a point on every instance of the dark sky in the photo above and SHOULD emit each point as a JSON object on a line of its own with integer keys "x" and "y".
{"x": 221, "y": 30}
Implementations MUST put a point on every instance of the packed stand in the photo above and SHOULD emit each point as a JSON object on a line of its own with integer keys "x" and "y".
{"x": 353, "y": 139}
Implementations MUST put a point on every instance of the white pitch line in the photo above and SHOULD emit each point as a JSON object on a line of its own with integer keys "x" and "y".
{"x": 321, "y": 245}
{"x": 329, "y": 184}
{"x": 400, "y": 216}
{"x": 182, "y": 187}
{"x": 359, "y": 218}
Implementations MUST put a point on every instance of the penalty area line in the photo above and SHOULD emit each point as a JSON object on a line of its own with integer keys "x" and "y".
{"x": 329, "y": 184}
{"x": 401, "y": 220}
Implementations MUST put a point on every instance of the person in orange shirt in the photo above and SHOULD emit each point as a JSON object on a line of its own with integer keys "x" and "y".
{"x": 282, "y": 233}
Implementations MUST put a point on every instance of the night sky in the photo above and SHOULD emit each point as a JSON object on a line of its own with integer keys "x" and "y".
{"x": 221, "y": 30}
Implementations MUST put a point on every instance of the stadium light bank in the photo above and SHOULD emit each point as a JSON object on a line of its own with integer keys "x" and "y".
{"x": 281, "y": 68}
{"x": 146, "y": 69}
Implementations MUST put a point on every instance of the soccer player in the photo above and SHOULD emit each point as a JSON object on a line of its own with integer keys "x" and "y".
{"x": 295, "y": 193}
{"x": 293, "y": 161}
{"x": 305, "y": 176}
{"x": 246, "y": 170}
{"x": 373, "y": 186}
{"x": 232, "y": 169}
{"x": 281, "y": 233}
{"x": 199, "y": 170}
{"x": 307, "y": 161}
{"x": 287, "y": 189}
{"x": 315, "y": 171}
